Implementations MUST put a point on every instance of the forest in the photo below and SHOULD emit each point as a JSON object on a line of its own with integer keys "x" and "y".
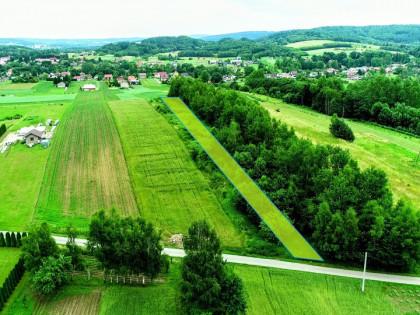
{"x": 340, "y": 208}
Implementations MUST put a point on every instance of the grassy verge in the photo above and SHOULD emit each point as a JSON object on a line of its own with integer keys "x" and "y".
{"x": 9, "y": 256}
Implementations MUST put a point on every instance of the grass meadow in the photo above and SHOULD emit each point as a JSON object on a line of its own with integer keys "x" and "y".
{"x": 393, "y": 152}
{"x": 171, "y": 192}
{"x": 140, "y": 91}
{"x": 9, "y": 256}
{"x": 86, "y": 169}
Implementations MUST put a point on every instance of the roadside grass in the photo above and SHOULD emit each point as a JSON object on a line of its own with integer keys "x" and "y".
{"x": 22, "y": 168}
{"x": 9, "y": 256}
{"x": 393, "y": 152}
{"x": 171, "y": 192}
{"x": 86, "y": 169}
{"x": 277, "y": 291}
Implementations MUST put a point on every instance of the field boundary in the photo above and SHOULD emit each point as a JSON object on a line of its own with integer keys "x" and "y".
{"x": 287, "y": 234}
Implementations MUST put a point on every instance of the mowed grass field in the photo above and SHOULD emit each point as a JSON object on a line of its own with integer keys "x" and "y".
{"x": 276, "y": 291}
{"x": 86, "y": 169}
{"x": 22, "y": 168}
{"x": 139, "y": 91}
{"x": 170, "y": 190}
{"x": 9, "y": 256}
{"x": 150, "y": 82}
{"x": 393, "y": 152}
{"x": 308, "y": 43}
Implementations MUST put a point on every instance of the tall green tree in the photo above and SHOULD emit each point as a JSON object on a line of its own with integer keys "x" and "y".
{"x": 73, "y": 251}
{"x": 52, "y": 274}
{"x": 2, "y": 241}
{"x": 38, "y": 245}
{"x": 207, "y": 286}
{"x": 8, "y": 239}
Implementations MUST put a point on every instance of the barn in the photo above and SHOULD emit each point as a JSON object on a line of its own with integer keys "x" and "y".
{"x": 89, "y": 87}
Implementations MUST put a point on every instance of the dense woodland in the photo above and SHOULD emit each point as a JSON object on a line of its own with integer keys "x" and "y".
{"x": 341, "y": 209}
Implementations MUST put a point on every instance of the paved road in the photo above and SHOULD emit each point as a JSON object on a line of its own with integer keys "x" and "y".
{"x": 286, "y": 265}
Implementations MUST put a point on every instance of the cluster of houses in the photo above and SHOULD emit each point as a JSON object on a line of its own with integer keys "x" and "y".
{"x": 4, "y": 60}
{"x": 53, "y": 60}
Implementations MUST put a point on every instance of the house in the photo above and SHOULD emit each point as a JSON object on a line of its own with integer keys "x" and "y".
{"x": 109, "y": 77}
{"x": 237, "y": 61}
{"x": 120, "y": 79}
{"x": 124, "y": 85}
{"x": 212, "y": 62}
{"x": 138, "y": 63}
{"x": 89, "y": 87}
{"x": 142, "y": 75}
{"x": 132, "y": 80}
{"x": 77, "y": 78}
{"x": 61, "y": 85}
{"x": 164, "y": 77}
{"x": 185, "y": 75}
{"x": 33, "y": 137}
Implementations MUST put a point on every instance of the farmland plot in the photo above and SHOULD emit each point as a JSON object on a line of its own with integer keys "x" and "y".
{"x": 170, "y": 190}
{"x": 86, "y": 170}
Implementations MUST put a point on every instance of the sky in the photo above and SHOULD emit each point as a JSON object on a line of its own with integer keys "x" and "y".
{"x": 139, "y": 18}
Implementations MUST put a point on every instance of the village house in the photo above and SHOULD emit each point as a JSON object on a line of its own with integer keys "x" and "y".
{"x": 33, "y": 137}
{"x": 164, "y": 77}
{"x": 61, "y": 85}
{"x": 124, "y": 85}
{"x": 89, "y": 87}
{"x": 139, "y": 63}
{"x": 132, "y": 80}
{"x": 142, "y": 75}
{"x": 77, "y": 78}
{"x": 109, "y": 77}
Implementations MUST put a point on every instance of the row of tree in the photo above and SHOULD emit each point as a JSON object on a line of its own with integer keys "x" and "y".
{"x": 343, "y": 210}
{"x": 11, "y": 282}
{"x": 11, "y": 239}
{"x": 388, "y": 101}
{"x": 2, "y": 129}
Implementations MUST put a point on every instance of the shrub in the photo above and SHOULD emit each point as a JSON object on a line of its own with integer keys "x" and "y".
{"x": 2, "y": 241}
{"x": 340, "y": 129}
{"x": 8, "y": 240}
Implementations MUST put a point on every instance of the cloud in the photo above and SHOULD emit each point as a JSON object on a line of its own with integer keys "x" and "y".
{"x": 105, "y": 18}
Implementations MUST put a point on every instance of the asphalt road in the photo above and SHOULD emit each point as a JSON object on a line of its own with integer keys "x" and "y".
{"x": 272, "y": 263}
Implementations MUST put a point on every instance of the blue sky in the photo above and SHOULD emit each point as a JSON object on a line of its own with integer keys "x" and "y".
{"x": 139, "y": 18}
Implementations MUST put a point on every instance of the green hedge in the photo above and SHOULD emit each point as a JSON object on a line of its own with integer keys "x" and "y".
{"x": 11, "y": 282}
{"x": 11, "y": 239}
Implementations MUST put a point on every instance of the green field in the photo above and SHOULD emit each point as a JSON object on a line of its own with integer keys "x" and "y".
{"x": 170, "y": 190}
{"x": 86, "y": 169}
{"x": 9, "y": 256}
{"x": 308, "y": 43}
{"x": 393, "y": 152}
{"x": 276, "y": 291}
{"x": 150, "y": 82}
{"x": 139, "y": 91}
{"x": 282, "y": 228}
{"x": 22, "y": 169}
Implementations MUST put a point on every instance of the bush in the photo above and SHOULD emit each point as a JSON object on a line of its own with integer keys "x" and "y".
{"x": 52, "y": 275}
{"x": 2, "y": 241}
{"x": 340, "y": 129}
{"x": 8, "y": 240}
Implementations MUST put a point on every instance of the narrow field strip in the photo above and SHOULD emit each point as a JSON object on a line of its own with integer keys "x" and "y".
{"x": 86, "y": 169}
{"x": 294, "y": 242}
{"x": 171, "y": 192}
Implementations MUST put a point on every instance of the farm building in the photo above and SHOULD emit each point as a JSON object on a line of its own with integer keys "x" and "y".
{"x": 89, "y": 87}
{"x": 61, "y": 85}
{"x": 33, "y": 137}
{"x": 109, "y": 77}
{"x": 142, "y": 75}
{"x": 48, "y": 122}
{"x": 25, "y": 130}
{"x": 124, "y": 85}
{"x": 132, "y": 80}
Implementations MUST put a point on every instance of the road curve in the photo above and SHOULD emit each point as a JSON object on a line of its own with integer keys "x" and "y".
{"x": 272, "y": 263}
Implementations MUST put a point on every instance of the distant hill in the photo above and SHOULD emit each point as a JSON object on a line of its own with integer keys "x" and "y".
{"x": 43, "y": 43}
{"x": 253, "y": 35}
{"x": 373, "y": 34}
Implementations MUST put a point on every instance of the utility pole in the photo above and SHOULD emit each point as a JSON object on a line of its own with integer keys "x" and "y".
{"x": 364, "y": 273}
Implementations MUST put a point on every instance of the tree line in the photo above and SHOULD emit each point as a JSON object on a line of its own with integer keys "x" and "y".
{"x": 387, "y": 101}
{"x": 340, "y": 208}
